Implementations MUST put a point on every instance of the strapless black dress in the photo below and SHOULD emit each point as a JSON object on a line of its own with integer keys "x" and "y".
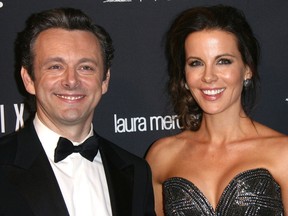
{"x": 250, "y": 193}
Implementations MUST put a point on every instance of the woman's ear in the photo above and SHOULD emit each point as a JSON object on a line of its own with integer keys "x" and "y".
{"x": 248, "y": 73}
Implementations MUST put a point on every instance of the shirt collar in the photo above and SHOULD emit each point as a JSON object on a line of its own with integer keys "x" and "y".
{"x": 49, "y": 138}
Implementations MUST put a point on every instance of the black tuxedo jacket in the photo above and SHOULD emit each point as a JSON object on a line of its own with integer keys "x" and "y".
{"x": 28, "y": 186}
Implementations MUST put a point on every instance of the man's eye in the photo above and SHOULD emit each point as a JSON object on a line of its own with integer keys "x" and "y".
{"x": 86, "y": 67}
{"x": 224, "y": 61}
{"x": 55, "y": 67}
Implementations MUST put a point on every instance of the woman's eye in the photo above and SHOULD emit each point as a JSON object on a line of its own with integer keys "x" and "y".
{"x": 224, "y": 61}
{"x": 195, "y": 63}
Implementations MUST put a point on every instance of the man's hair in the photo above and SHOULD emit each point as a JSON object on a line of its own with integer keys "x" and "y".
{"x": 64, "y": 18}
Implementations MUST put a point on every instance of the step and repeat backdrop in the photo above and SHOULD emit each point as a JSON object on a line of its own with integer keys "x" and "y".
{"x": 136, "y": 110}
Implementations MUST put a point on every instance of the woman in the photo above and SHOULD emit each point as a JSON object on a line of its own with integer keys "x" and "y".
{"x": 223, "y": 162}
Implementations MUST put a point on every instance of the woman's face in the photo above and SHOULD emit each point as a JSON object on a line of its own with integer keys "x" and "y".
{"x": 215, "y": 71}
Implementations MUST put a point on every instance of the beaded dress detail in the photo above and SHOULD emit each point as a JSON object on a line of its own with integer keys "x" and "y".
{"x": 250, "y": 193}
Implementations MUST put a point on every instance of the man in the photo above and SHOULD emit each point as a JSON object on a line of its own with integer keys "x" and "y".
{"x": 66, "y": 62}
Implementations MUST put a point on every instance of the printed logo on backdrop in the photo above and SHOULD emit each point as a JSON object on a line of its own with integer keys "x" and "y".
{"x": 144, "y": 124}
{"x": 17, "y": 113}
{"x": 114, "y": 1}
{"x": 122, "y": 1}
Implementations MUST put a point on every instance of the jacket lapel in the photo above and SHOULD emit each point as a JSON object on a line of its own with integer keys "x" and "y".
{"x": 34, "y": 177}
{"x": 120, "y": 179}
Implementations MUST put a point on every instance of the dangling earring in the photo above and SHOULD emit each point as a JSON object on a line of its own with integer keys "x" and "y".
{"x": 186, "y": 86}
{"x": 247, "y": 83}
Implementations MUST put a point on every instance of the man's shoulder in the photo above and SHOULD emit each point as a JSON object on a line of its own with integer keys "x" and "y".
{"x": 8, "y": 147}
{"x": 9, "y": 139}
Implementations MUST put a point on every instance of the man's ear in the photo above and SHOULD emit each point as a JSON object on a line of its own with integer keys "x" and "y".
{"x": 105, "y": 82}
{"x": 27, "y": 80}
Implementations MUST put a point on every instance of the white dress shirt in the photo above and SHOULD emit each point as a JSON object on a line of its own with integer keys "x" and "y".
{"x": 82, "y": 182}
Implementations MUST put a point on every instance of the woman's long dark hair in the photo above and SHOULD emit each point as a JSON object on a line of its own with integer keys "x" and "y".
{"x": 225, "y": 18}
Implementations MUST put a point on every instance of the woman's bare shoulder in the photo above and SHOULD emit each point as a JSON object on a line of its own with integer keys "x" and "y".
{"x": 267, "y": 132}
{"x": 272, "y": 141}
{"x": 164, "y": 153}
{"x": 160, "y": 146}
{"x": 166, "y": 145}
{"x": 164, "y": 150}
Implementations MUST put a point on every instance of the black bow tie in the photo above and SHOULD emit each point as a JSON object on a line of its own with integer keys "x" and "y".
{"x": 65, "y": 147}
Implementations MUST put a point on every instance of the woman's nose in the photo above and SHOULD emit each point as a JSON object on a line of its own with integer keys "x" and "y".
{"x": 209, "y": 75}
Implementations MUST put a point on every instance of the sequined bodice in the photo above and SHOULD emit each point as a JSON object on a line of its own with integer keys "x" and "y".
{"x": 250, "y": 193}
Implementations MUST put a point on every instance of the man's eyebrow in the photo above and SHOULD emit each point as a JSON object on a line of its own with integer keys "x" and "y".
{"x": 53, "y": 59}
{"x": 83, "y": 60}
{"x": 61, "y": 60}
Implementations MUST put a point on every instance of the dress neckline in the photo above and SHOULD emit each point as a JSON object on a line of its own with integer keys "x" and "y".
{"x": 237, "y": 177}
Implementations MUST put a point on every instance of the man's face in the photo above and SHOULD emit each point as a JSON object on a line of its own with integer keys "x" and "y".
{"x": 69, "y": 77}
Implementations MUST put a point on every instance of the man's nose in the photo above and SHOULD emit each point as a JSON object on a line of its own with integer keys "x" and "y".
{"x": 70, "y": 79}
